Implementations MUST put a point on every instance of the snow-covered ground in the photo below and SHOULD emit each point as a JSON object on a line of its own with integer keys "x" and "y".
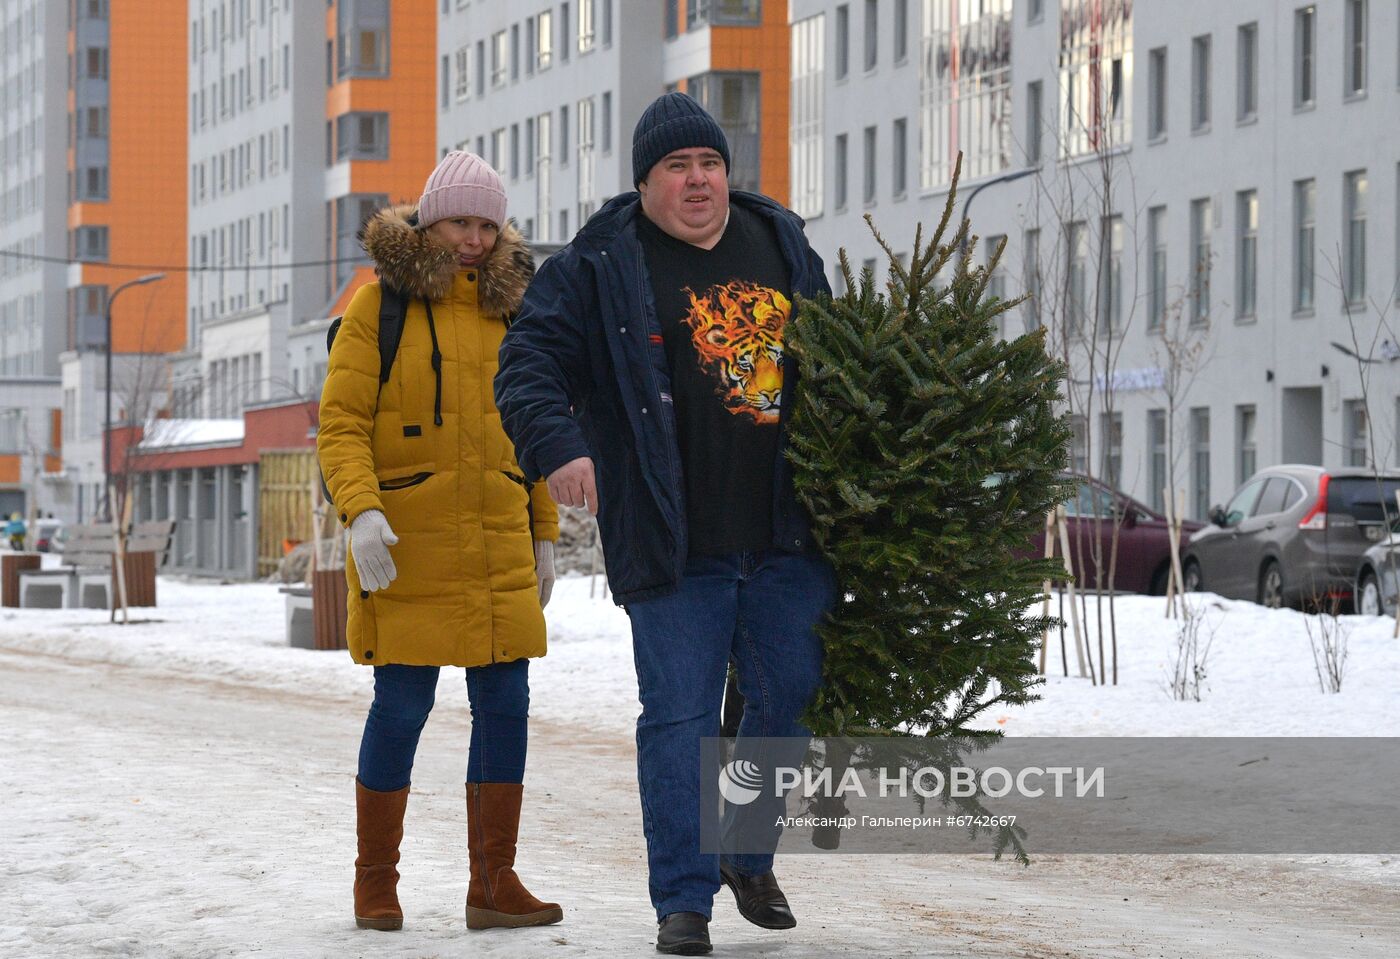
{"x": 181, "y": 786}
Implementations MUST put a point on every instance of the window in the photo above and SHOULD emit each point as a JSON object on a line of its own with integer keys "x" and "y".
{"x": 1356, "y": 47}
{"x": 996, "y": 283}
{"x": 840, "y": 177}
{"x": 90, "y": 244}
{"x": 722, "y": 12}
{"x": 1304, "y": 56}
{"x": 1156, "y": 268}
{"x": 843, "y": 40}
{"x": 1200, "y": 462}
{"x": 587, "y": 195}
{"x": 515, "y": 151}
{"x": 1111, "y": 453}
{"x": 564, "y": 135}
{"x": 1157, "y": 459}
{"x": 1035, "y": 11}
{"x": 901, "y": 31}
{"x": 607, "y": 22}
{"x": 350, "y": 213}
{"x": 1304, "y": 244}
{"x": 564, "y": 43}
{"x": 1200, "y": 261}
{"x": 462, "y": 86}
{"x": 872, "y": 34}
{"x": 586, "y": 31}
{"x": 1111, "y": 277}
{"x": 1356, "y": 427}
{"x": 1035, "y": 118}
{"x": 965, "y": 92}
{"x": 544, "y": 40}
{"x": 498, "y": 156}
{"x": 1076, "y": 273}
{"x": 95, "y": 63}
{"x": 732, "y": 98}
{"x": 362, "y": 38}
{"x": 1030, "y": 266}
{"x": 673, "y": 19}
{"x": 500, "y": 58}
{"x": 480, "y": 68}
{"x": 1246, "y": 252}
{"x": 362, "y": 136}
{"x": 1200, "y": 83}
{"x": 607, "y": 122}
{"x": 808, "y": 114}
{"x": 899, "y": 155}
{"x": 1247, "y": 78}
{"x": 1246, "y": 454}
{"x": 514, "y": 52}
{"x": 1354, "y": 237}
{"x": 1157, "y": 93}
{"x": 869, "y": 191}
{"x": 1096, "y": 42}
{"x": 1078, "y": 444}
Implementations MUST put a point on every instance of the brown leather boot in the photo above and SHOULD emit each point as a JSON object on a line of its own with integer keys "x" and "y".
{"x": 496, "y": 898}
{"x": 379, "y": 825}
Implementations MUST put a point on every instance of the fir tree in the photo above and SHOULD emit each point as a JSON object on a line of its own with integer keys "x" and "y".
{"x": 928, "y": 452}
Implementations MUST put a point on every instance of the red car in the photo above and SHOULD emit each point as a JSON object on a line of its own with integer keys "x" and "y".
{"x": 1144, "y": 544}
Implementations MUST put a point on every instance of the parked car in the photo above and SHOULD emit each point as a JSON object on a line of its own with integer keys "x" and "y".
{"x": 1292, "y": 534}
{"x": 1144, "y": 541}
{"x": 1378, "y": 576}
{"x": 48, "y": 534}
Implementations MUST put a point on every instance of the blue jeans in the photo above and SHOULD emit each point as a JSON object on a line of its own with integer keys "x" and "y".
{"x": 761, "y": 609}
{"x": 403, "y": 697}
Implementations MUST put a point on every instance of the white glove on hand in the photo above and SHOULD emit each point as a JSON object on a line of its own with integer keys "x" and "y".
{"x": 370, "y": 539}
{"x": 544, "y": 569}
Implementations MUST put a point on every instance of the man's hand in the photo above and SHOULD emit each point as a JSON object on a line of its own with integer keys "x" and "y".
{"x": 370, "y": 539}
{"x": 572, "y": 485}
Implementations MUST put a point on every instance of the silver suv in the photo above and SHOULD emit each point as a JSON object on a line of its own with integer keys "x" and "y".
{"x": 1291, "y": 534}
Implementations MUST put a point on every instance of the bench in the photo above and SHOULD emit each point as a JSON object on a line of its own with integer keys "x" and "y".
{"x": 87, "y": 578}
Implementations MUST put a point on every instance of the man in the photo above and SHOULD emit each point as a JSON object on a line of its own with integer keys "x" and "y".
{"x": 645, "y": 378}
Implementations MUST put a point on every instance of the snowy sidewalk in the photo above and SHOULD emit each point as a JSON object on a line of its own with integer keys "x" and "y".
{"x": 184, "y": 788}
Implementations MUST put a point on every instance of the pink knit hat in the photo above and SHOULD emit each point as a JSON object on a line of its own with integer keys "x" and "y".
{"x": 462, "y": 185}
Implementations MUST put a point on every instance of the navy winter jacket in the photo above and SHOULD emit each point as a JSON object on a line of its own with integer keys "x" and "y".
{"x": 583, "y": 373}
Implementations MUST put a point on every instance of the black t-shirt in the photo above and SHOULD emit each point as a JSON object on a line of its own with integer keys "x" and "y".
{"x": 722, "y": 313}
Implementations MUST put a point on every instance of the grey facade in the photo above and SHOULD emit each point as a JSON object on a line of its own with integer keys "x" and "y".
{"x": 1222, "y": 179}
{"x": 257, "y": 185}
{"x": 33, "y": 185}
{"x": 549, "y": 93}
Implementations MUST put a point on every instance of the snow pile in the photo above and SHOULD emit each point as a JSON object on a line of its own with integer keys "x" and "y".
{"x": 1259, "y": 676}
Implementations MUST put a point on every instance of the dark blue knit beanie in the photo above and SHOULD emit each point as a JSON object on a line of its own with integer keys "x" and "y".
{"x": 673, "y": 122}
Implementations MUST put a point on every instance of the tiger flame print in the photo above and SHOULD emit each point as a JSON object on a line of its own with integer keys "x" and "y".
{"x": 737, "y": 331}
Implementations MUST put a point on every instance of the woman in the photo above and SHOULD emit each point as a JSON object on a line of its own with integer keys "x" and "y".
{"x": 452, "y": 551}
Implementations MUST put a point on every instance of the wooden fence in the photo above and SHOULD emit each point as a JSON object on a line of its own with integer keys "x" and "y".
{"x": 284, "y": 497}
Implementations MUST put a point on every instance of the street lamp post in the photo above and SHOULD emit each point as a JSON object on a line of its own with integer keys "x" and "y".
{"x": 107, "y": 419}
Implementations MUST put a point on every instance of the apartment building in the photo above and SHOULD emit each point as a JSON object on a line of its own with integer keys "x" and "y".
{"x": 303, "y": 119}
{"x": 549, "y": 93}
{"x": 1212, "y": 181}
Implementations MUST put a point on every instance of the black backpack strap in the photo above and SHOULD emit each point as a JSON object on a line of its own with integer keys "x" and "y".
{"x": 393, "y": 306}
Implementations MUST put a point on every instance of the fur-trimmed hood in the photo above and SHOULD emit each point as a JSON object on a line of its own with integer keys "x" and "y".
{"x": 408, "y": 260}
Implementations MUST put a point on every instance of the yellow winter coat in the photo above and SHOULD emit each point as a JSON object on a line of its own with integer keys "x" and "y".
{"x": 466, "y": 592}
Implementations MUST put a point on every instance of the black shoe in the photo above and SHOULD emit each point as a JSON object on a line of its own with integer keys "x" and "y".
{"x": 684, "y": 934}
{"x": 760, "y": 900}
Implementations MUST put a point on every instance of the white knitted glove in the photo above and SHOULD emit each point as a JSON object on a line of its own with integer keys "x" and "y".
{"x": 370, "y": 539}
{"x": 544, "y": 569}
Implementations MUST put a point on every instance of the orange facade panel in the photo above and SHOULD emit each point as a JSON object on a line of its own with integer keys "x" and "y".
{"x": 9, "y": 468}
{"x": 765, "y": 49}
{"x": 53, "y": 464}
{"x": 145, "y": 213}
{"x": 409, "y": 97}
